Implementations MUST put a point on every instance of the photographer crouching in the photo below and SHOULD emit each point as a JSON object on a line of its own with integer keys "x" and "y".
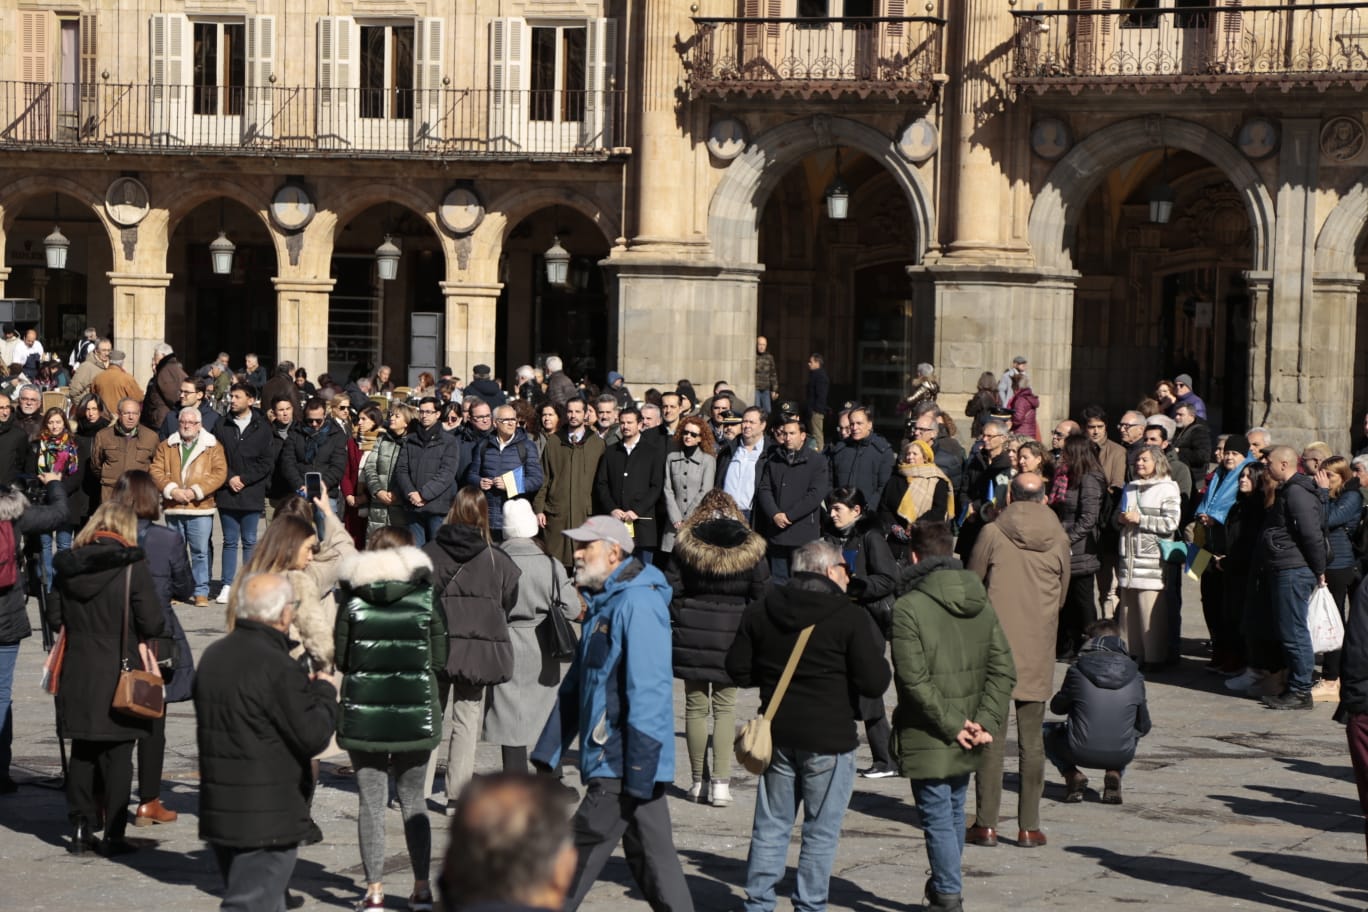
{"x": 19, "y": 517}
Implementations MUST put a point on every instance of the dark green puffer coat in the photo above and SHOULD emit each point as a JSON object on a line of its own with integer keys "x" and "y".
{"x": 951, "y": 662}
{"x": 390, "y": 645}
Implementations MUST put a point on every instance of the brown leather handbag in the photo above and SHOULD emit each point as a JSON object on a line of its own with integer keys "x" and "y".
{"x": 140, "y": 693}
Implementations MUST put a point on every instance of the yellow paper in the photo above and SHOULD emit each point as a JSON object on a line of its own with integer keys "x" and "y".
{"x": 510, "y": 483}
{"x": 631, "y": 528}
{"x": 1199, "y": 564}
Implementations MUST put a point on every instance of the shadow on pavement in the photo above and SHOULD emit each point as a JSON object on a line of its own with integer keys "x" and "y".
{"x": 724, "y": 879}
{"x": 1295, "y": 806}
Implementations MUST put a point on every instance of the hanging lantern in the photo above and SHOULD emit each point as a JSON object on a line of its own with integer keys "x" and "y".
{"x": 56, "y": 245}
{"x": 387, "y": 260}
{"x": 221, "y": 253}
{"x": 557, "y": 264}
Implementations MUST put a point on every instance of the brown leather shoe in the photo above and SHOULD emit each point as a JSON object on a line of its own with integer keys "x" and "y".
{"x": 153, "y": 812}
{"x": 201, "y": 601}
{"x": 1030, "y": 839}
{"x": 981, "y": 836}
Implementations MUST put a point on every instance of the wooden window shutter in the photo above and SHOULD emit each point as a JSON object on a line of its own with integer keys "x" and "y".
{"x": 35, "y": 46}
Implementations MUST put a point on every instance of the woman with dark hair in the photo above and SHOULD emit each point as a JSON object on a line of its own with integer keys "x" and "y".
{"x": 478, "y": 586}
{"x": 686, "y": 392}
{"x": 56, "y": 452}
{"x": 83, "y": 494}
{"x": 1247, "y": 605}
{"x": 982, "y": 403}
{"x": 370, "y": 423}
{"x": 170, "y": 569}
{"x": 390, "y": 645}
{"x": 427, "y": 386}
{"x": 1033, "y": 457}
{"x": 1077, "y": 494}
{"x": 453, "y": 413}
{"x": 306, "y": 389}
{"x": 551, "y": 415}
{"x": 378, "y": 470}
{"x": 873, "y": 573}
{"x": 1341, "y": 572}
{"x": 102, "y": 576}
{"x": 718, "y": 569}
{"x": 690, "y": 467}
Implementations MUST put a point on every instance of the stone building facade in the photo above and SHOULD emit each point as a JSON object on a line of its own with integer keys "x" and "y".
{"x": 1002, "y": 166}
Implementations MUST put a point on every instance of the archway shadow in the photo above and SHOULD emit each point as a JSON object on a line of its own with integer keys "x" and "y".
{"x": 1190, "y": 875}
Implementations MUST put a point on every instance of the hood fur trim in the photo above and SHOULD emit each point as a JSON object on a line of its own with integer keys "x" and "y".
{"x": 388, "y": 565}
{"x": 12, "y": 505}
{"x": 713, "y": 559}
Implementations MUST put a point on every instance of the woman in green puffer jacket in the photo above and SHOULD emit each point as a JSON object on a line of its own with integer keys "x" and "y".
{"x": 390, "y": 644}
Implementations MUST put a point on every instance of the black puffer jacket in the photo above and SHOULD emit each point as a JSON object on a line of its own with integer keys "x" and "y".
{"x": 88, "y": 599}
{"x": 1294, "y": 528}
{"x": 1354, "y": 659}
{"x": 874, "y": 573}
{"x": 865, "y": 464}
{"x": 28, "y": 519}
{"x": 1078, "y": 513}
{"x": 718, "y": 569}
{"x": 428, "y": 462}
{"x": 477, "y": 587}
{"x": 259, "y": 721}
{"x": 322, "y": 450}
{"x": 1103, "y": 695}
{"x": 16, "y": 456}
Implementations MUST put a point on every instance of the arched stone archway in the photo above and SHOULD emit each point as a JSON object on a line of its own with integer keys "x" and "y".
{"x": 1054, "y": 216}
{"x": 1338, "y": 242}
{"x": 734, "y": 214}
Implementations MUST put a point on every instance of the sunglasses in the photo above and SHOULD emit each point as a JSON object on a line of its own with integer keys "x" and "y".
{"x": 315, "y": 422}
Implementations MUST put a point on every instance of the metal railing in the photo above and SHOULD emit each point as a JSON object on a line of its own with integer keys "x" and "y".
{"x": 1220, "y": 43}
{"x": 455, "y": 123}
{"x": 893, "y": 57}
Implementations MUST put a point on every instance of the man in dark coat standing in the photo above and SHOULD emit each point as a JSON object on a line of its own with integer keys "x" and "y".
{"x": 569, "y": 465}
{"x": 317, "y": 444}
{"x": 260, "y": 718}
{"x": 865, "y": 461}
{"x": 484, "y": 387}
{"x": 425, "y": 476}
{"x": 507, "y": 451}
{"x": 250, "y": 448}
{"x": 163, "y": 390}
{"x": 631, "y": 476}
{"x": 793, "y": 482}
{"x": 818, "y": 388}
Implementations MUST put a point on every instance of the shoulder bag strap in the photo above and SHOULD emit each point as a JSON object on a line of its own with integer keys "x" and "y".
{"x": 789, "y": 669}
{"x": 555, "y": 585}
{"x": 123, "y": 633}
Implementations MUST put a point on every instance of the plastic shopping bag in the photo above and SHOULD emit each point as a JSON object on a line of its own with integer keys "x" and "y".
{"x": 1323, "y": 618}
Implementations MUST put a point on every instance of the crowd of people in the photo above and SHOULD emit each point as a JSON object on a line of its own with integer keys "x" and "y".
{"x": 416, "y": 549}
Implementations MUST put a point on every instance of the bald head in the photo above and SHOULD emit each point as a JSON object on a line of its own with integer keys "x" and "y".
{"x": 1064, "y": 430}
{"x": 1282, "y": 463}
{"x": 1028, "y": 487}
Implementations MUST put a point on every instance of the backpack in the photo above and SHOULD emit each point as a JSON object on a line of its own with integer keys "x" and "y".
{"x": 79, "y": 352}
{"x": 9, "y": 556}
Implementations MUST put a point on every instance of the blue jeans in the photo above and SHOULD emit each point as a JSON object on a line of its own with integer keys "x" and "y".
{"x": 196, "y": 531}
{"x": 45, "y": 539}
{"x": 424, "y": 526}
{"x": 238, "y": 526}
{"x": 763, "y": 401}
{"x": 941, "y": 805}
{"x": 9, "y": 655}
{"x": 1290, "y": 591}
{"x": 823, "y": 783}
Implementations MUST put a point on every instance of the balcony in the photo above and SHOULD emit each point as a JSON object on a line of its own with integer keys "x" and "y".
{"x": 807, "y": 58}
{"x": 331, "y": 123}
{"x": 1153, "y": 45}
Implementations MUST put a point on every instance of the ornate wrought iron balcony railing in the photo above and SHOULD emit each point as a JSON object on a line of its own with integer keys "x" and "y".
{"x": 409, "y": 123}
{"x": 1223, "y": 44}
{"x": 809, "y": 57}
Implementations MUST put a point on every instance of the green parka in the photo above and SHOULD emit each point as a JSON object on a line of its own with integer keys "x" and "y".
{"x": 390, "y": 645}
{"x": 951, "y": 662}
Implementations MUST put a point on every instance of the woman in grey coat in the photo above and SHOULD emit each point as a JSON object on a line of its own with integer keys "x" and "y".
{"x": 378, "y": 470}
{"x": 690, "y": 468}
{"x": 517, "y": 710}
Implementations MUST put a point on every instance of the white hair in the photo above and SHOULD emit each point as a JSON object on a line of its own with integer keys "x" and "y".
{"x": 554, "y": 363}
{"x": 525, "y": 372}
{"x": 262, "y": 597}
{"x": 816, "y": 557}
{"x": 162, "y": 350}
{"x": 189, "y": 411}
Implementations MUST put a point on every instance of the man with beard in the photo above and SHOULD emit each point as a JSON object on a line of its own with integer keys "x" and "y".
{"x": 569, "y": 464}
{"x": 30, "y": 414}
{"x": 250, "y": 448}
{"x": 616, "y": 697}
{"x": 425, "y": 475}
{"x": 16, "y": 456}
{"x": 317, "y": 444}
{"x": 986, "y": 476}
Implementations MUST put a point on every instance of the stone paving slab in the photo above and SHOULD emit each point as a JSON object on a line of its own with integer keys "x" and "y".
{"x": 1228, "y": 807}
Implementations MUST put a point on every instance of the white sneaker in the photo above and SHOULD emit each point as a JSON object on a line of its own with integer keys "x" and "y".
{"x": 696, "y": 791}
{"x": 719, "y": 793}
{"x": 1245, "y": 679}
{"x": 222, "y": 596}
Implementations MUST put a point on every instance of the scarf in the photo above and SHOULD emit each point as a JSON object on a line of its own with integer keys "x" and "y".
{"x": 57, "y": 454}
{"x": 367, "y": 441}
{"x": 921, "y": 491}
{"x": 1059, "y": 485}
{"x": 1221, "y": 492}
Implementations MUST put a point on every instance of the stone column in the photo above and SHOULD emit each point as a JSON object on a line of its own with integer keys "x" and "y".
{"x": 471, "y": 312}
{"x": 985, "y": 316}
{"x": 664, "y": 155}
{"x": 139, "y": 317}
{"x": 1330, "y": 371}
{"x": 4, "y": 272}
{"x": 302, "y": 322}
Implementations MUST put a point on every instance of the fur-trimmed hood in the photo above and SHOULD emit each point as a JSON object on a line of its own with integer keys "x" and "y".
{"x": 387, "y": 575}
{"x": 12, "y": 504}
{"x": 719, "y": 548}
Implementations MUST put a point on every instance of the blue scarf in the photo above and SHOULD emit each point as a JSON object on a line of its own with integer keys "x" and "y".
{"x": 1221, "y": 493}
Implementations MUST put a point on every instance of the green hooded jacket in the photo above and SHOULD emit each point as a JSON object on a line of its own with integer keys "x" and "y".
{"x": 951, "y": 662}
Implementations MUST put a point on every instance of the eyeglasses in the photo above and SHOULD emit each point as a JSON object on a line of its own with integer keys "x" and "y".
{"x": 480, "y": 417}
{"x": 508, "y": 421}
{"x": 993, "y": 436}
{"x": 1131, "y": 425}
{"x": 427, "y": 412}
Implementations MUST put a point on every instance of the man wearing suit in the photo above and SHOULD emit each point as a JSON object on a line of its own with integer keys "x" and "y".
{"x": 630, "y": 478}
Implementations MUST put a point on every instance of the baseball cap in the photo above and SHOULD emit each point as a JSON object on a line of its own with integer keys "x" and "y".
{"x": 602, "y": 528}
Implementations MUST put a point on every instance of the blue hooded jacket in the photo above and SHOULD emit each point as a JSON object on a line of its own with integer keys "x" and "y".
{"x": 618, "y": 695}
{"x": 1221, "y": 493}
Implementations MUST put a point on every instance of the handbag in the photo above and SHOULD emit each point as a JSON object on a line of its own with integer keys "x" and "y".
{"x": 753, "y": 745}
{"x": 1324, "y": 621}
{"x": 140, "y": 693}
{"x": 557, "y": 636}
{"x": 52, "y": 665}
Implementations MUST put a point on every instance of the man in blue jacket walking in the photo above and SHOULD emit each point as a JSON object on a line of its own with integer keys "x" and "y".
{"x": 618, "y": 699}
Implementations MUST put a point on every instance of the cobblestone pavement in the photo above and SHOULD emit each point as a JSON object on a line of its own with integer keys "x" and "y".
{"x": 1229, "y": 806}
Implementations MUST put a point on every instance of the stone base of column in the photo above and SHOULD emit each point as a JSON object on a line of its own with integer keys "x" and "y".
{"x": 471, "y": 314}
{"x": 139, "y": 318}
{"x": 302, "y": 322}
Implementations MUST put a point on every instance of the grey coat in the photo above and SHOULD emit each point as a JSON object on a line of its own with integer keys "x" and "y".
{"x": 378, "y": 474}
{"x": 517, "y": 709}
{"x": 687, "y": 479}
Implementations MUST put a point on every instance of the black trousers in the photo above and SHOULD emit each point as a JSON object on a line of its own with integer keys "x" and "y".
{"x": 254, "y": 880}
{"x": 1078, "y": 614}
{"x": 109, "y": 763}
{"x": 151, "y": 754}
{"x": 604, "y": 817}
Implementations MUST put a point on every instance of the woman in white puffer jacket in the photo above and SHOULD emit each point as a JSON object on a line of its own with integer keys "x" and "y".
{"x": 1149, "y": 513}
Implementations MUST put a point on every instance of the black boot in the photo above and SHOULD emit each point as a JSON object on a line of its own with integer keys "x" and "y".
{"x": 82, "y": 840}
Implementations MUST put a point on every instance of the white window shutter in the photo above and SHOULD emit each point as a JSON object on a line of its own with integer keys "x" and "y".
{"x": 508, "y": 82}
{"x": 601, "y": 63}
{"x": 35, "y": 50}
{"x": 171, "y": 44}
{"x": 256, "y": 121}
{"x": 429, "y": 36}
{"x": 338, "y": 79}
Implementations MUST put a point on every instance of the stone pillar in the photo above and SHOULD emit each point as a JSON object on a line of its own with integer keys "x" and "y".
{"x": 678, "y": 320}
{"x": 139, "y": 317}
{"x": 1291, "y": 390}
{"x": 980, "y": 220}
{"x": 302, "y": 322}
{"x": 664, "y": 155}
{"x": 985, "y": 316}
{"x": 4, "y": 272}
{"x": 1330, "y": 372}
{"x": 471, "y": 313}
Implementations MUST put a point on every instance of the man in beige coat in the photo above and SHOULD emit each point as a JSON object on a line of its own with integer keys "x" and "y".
{"x": 188, "y": 468}
{"x": 1023, "y": 558}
